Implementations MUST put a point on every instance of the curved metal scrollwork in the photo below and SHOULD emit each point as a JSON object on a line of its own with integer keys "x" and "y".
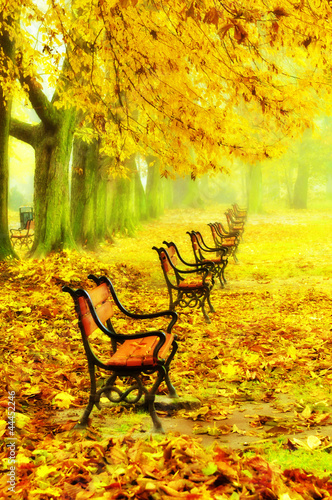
{"x": 115, "y": 395}
{"x": 190, "y": 299}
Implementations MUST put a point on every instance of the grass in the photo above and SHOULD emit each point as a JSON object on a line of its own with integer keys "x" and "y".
{"x": 279, "y": 453}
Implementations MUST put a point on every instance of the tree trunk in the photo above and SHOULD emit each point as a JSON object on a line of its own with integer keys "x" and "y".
{"x": 154, "y": 188}
{"x": 288, "y": 186}
{"x": 7, "y": 46}
{"x": 300, "y": 198}
{"x": 51, "y": 198}
{"x": 169, "y": 193}
{"x": 84, "y": 197}
{"x": 123, "y": 216}
{"x": 101, "y": 202}
{"x": 140, "y": 198}
{"x": 255, "y": 189}
{"x": 52, "y": 140}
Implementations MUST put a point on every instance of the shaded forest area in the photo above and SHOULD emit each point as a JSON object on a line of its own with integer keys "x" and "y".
{"x": 197, "y": 86}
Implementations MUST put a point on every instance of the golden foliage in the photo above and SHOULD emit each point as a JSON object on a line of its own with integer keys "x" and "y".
{"x": 186, "y": 81}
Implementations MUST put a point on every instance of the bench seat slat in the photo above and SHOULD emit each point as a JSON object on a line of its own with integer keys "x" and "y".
{"x": 191, "y": 284}
{"x": 216, "y": 260}
{"x": 139, "y": 352}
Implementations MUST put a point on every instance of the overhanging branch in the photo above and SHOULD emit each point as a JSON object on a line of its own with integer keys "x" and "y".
{"x": 23, "y": 131}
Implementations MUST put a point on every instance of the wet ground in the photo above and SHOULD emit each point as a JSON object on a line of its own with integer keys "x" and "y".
{"x": 251, "y": 424}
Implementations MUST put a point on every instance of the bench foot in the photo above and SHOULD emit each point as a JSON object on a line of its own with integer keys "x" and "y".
{"x": 80, "y": 425}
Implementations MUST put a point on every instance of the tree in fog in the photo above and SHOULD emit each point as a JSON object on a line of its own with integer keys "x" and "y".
{"x": 178, "y": 81}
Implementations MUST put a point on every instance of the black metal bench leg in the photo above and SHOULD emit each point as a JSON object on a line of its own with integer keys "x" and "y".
{"x": 171, "y": 389}
{"x": 83, "y": 422}
{"x": 212, "y": 309}
{"x": 149, "y": 399}
{"x": 221, "y": 280}
{"x": 207, "y": 319}
{"x": 223, "y": 271}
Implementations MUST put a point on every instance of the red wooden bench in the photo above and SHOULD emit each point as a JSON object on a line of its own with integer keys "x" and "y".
{"x": 240, "y": 212}
{"x": 203, "y": 253}
{"x": 235, "y": 223}
{"x": 131, "y": 355}
{"x": 226, "y": 239}
{"x": 23, "y": 237}
{"x": 191, "y": 285}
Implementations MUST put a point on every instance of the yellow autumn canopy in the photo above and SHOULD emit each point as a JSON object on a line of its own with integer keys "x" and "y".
{"x": 189, "y": 82}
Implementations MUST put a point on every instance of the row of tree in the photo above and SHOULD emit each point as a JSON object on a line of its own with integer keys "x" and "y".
{"x": 181, "y": 84}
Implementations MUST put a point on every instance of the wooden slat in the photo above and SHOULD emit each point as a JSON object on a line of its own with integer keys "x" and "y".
{"x": 139, "y": 352}
{"x": 104, "y": 308}
{"x": 165, "y": 262}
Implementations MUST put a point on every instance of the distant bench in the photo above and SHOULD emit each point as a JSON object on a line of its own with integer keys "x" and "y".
{"x": 189, "y": 286}
{"x": 133, "y": 356}
{"x": 23, "y": 237}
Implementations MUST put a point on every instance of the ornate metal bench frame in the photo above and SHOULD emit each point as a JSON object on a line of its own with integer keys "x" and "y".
{"x": 200, "y": 248}
{"x": 23, "y": 237}
{"x": 133, "y": 355}
{"x": 188, "y": 293}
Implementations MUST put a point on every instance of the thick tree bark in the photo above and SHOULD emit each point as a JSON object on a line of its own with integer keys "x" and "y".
{"x": 122, "y": 209}
{"x": 7, "y": 47}
{"x": 300, "y": 198}
{"x": 52, "y": 140}
{"x": 255, "y": 189}
{"x": 51, "y": 190}
{"x": 84, "y": 197}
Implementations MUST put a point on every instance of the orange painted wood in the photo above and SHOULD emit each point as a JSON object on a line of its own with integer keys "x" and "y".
{"x": 103, "y": 307}
{"x": 139, "y": 352}
{"x": 191, "y": 284}
{"x": 165, "y": 262}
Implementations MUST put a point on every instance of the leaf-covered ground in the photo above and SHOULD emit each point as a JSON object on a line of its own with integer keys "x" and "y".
{"x": 270, "y": 337}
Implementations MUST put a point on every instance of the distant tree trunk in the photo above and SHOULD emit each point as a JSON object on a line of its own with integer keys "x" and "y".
{"x": 288, "y": 187}
{"x": 84, "y": 198}
{"x": 154, "y": 188}
{"x": 121, "y": 192}
{"x": 101, "y": 204}
{"x": 329, "y": 181}
{"x": 300, "y": 198}
{"x": 52, "y": 140}
{"x": 255, "y": 189}
{"x": 140, "y": 198}
{"x": 7, "y": 46}
{"x": 169, "y": 193}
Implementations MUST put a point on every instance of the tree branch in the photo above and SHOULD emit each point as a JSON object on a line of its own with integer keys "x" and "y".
{"x": 40, "y": 103}
{"x": 23, "y": 131}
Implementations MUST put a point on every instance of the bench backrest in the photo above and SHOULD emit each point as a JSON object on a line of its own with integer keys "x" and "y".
{"x": 30, "y": 225}
{"x": 214, "y": 233}
{"x": 194, "y": 241}
{"x": 171, "y": 252}
{"x": 104, "y": 308}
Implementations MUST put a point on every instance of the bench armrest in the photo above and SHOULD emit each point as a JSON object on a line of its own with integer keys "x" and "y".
{"x": 197, "y": 265}
{"x": 104, "y": 279}
{"x": 14, "y": 231}
{"x": 205, "y": 248}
